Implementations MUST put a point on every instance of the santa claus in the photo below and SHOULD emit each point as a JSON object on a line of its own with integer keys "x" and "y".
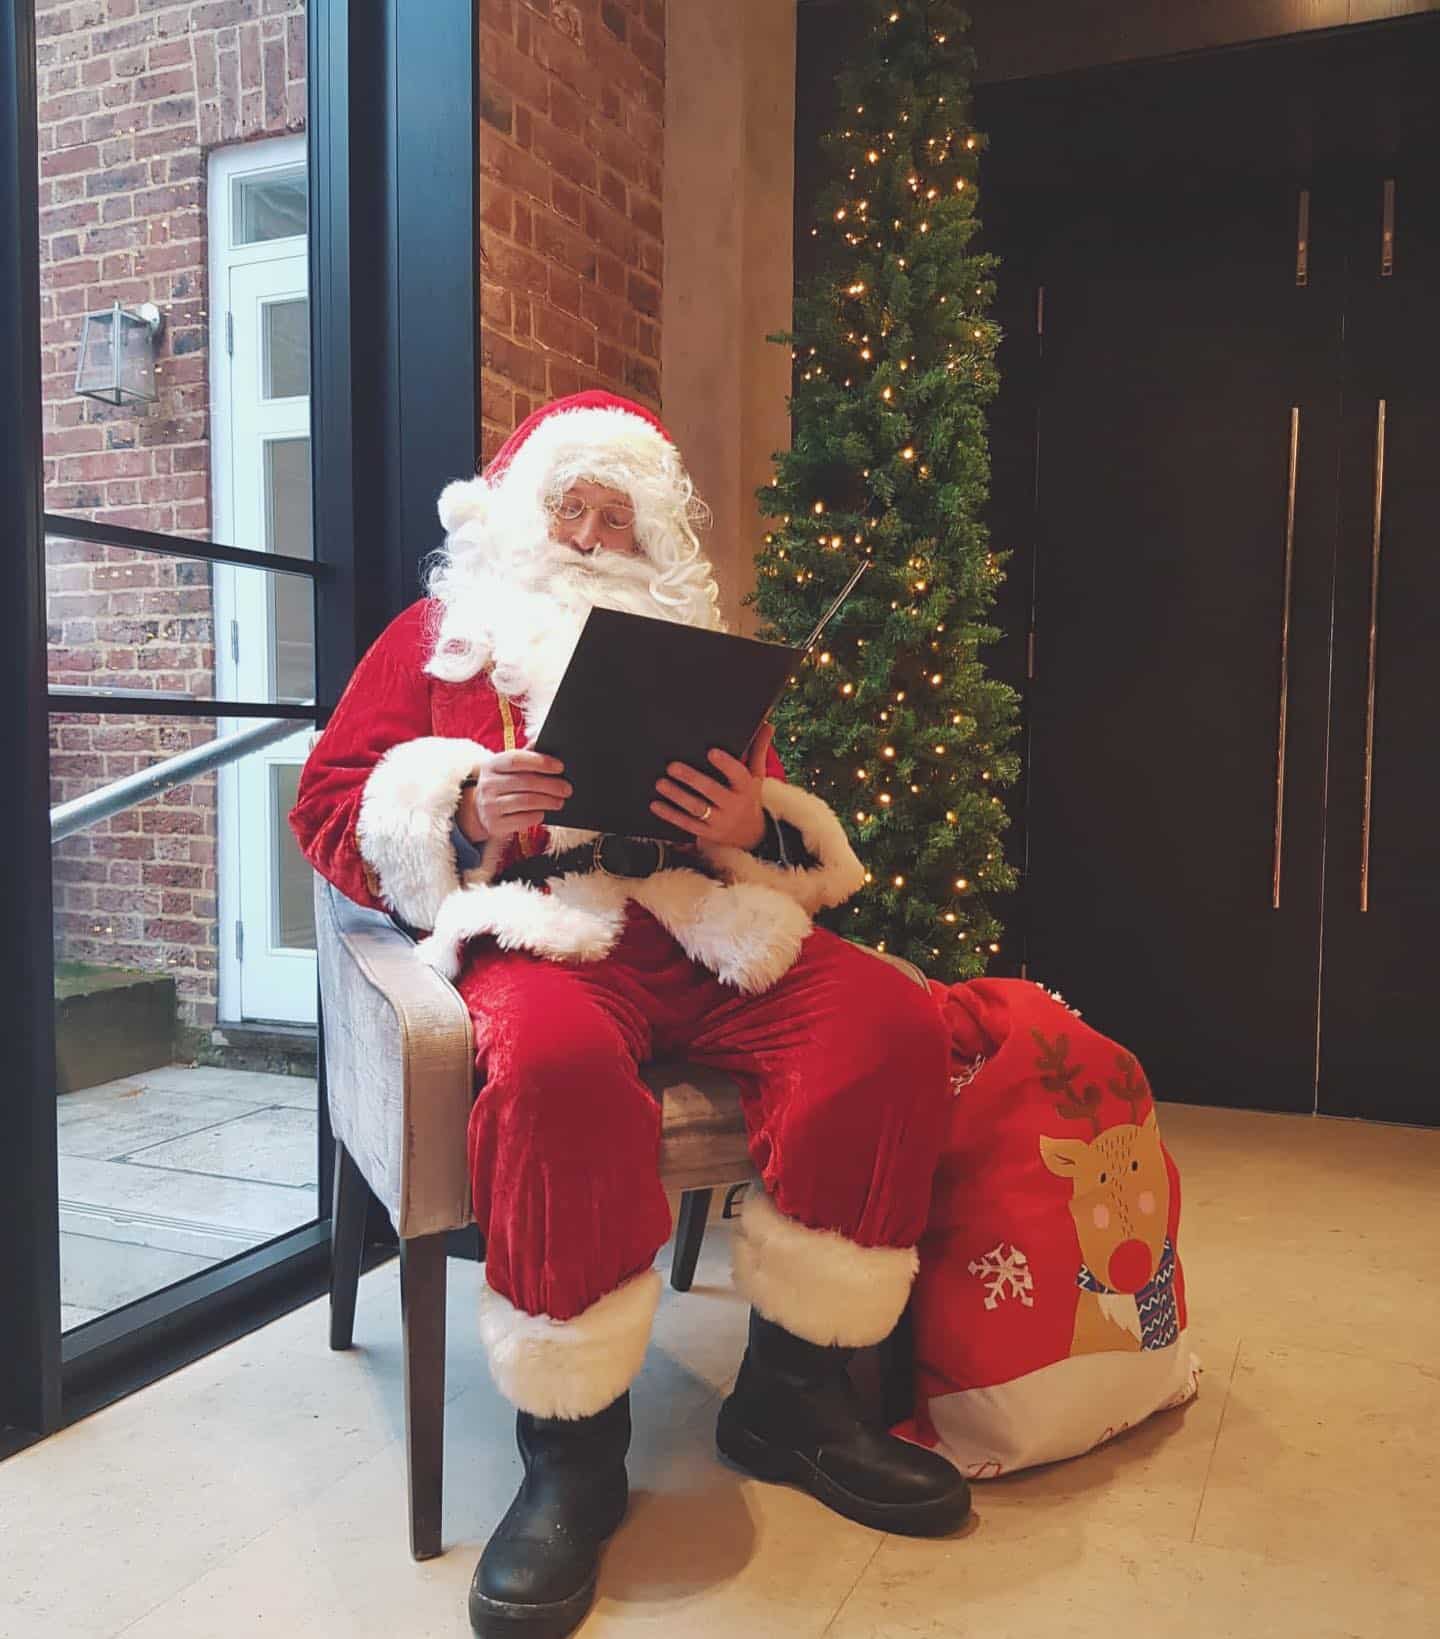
{"x": 579, "y": 957}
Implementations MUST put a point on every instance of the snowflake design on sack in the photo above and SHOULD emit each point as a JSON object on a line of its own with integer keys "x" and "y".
{"x": 1006, "y": 1275}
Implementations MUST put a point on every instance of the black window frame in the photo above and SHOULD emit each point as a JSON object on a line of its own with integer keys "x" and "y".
{"x": 394, "y": 247}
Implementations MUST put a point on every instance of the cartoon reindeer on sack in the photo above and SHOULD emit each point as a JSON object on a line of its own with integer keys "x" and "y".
{"x": 1120, "y": 1204}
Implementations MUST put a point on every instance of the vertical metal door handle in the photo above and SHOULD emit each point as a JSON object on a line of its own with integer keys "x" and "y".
{"x": 1302, "y": 240}
{"x": 1284, "y": 709}
{"x": 1377, "y": 518}
{"x": 1387, "y": 229}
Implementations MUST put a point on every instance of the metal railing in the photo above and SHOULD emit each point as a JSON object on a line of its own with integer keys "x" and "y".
{"x": 70, "y": 817}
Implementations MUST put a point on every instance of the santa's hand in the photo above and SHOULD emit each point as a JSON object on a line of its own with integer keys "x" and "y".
{"x": 514, "y": 792}
{"x": 725, "y": 811}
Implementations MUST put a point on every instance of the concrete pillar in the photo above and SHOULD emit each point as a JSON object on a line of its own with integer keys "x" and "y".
{"x": 729, "y": 215}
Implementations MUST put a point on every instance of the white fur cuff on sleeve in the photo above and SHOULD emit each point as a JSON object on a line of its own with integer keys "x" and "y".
{"x": 570, "y": 1368}
{"x": 816, "y": 1283}
{"x": 836, "y": 873}
{"x": 406, "y": 813}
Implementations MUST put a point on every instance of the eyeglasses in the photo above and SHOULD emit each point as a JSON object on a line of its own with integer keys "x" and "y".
{"x": 571, "y": 508}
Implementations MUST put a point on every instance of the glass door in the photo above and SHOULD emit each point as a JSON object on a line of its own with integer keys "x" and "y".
{"x": 260, "y": 322}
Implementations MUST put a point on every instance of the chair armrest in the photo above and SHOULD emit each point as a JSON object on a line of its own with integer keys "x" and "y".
{"x": 907, "y": 968}
{"x": 399, "y": 1062}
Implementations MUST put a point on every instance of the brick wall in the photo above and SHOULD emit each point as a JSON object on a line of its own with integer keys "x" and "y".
{"x": 132, "y": 96}
{"x": 572, "y": 143}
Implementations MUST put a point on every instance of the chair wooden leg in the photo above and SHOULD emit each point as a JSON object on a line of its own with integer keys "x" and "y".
{"x": 347, "y": 1244}
{"x": 689, "y": 1233}
{"x": 422, "y": 1302}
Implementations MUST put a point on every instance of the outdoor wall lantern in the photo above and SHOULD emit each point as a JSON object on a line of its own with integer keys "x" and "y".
{"x": 117, "y": 355}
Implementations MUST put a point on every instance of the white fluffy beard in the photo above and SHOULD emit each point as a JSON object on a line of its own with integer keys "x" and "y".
{"x": 525, "y": 617}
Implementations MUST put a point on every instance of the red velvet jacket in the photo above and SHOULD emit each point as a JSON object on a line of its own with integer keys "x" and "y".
{"x": 376, "y": 805}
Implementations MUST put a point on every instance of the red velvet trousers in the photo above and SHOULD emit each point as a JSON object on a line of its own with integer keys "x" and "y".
{"x": 843, "y": 1066}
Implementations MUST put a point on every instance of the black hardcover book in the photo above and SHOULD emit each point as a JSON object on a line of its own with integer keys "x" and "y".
{"x": 641, "y": 693}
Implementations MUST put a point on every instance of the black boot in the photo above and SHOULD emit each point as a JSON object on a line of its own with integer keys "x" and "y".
{"x": 794, "y": 1415}
{"x": 536, "y": 1578}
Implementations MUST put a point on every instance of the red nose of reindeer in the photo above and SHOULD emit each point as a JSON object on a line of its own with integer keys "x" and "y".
{"x": 1130, "y": 1266}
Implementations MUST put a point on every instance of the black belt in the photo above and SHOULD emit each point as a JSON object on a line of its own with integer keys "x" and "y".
{"x": 634, "y": 857}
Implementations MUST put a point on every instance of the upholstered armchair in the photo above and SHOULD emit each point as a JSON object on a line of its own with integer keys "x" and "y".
{"x": 400, "y": 1074}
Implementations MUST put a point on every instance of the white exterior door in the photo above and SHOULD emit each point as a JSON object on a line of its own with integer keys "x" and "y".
{"x": 264, "y": 640}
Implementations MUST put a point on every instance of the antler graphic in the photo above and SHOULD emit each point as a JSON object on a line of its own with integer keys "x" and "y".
{"x": 1057, "y": 1075}
{"x": 1128, "y": 1088}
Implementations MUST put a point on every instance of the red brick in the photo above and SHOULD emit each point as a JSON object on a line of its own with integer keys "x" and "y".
{"x": 517, "y": 270}
{"x": 612, "y": 190}
{"x": 514, "y": 168}
{"x": 496, "y": 203}
{"x": 565, "y": 154}
{"x": 565, "y": 198}
{"x": 563, "y": 334}
{"x": 643, "y": 294}
{"x": 610, "y": 231}
{"x": 512, "y": 70}
{"x": 558, "y": 242}
{"x": 519, "y": 365}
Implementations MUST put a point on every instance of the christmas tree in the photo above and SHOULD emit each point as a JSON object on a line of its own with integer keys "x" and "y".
{"x": 894, "y": 721}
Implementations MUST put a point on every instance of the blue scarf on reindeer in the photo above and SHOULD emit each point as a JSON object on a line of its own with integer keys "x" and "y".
{"x": 1159, "y": 1323}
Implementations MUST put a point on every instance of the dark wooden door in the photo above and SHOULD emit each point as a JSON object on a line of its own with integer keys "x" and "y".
{"x": 1381, "y": 970}
{"x": 1173, "y": 885}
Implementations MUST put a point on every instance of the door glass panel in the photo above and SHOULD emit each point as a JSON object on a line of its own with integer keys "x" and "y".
{"x": 122, "y": 622}
{"x": 287, "y": 349}
{"x": 271, "y": 206}
{"x": 287, "y": 530}
{"x": 178, "y": 1146}
{"x": 292, "y": 918}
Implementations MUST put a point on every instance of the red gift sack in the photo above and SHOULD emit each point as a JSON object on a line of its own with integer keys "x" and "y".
{"x": 1049, "y": 1310}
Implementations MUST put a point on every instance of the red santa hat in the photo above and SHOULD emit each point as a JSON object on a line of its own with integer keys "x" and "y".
{"x": 593, "y": 435}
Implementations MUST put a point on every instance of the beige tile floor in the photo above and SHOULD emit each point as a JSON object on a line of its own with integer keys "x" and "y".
{"x": 261, "y": 1491}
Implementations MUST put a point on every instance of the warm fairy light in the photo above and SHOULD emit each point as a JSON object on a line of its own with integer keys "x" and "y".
{"x": 885, "y": 394}
{"x": 864, "y": 352}
{"x": 907, "y": 453}
{"x": 950, "y": 916}
{"x": 825, "y": 658}
{"x": 849, "y": 688}
{"x": 939, "y": 751}
{"x": 924, "y": 227}
{"x": 872, "y": 156}
{"x": 885, "y": 798}
{"x": 901, "y": 697}
{"x": 840, "y": 215}
{"x": 819, "y": 508}
{"x": 962, "y": 883}
{"x": 920, "y": 585}
{"x": 889, "y": 751}
{"x": 994, "y": 950}
{"x": 869, "y": 877}
{"x": 935, "y": 679}
{"x": 969, "y": 142}
{"x": 899, "y": 881}
{"x": 950, "y": 815}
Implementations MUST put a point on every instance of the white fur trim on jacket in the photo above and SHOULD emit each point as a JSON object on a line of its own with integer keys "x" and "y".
{"x": 570, "y": 1368}
{"x": 579, "y": 920}
{"x": 836, "y": 874}
{"x": 403, "y": 829}
{"x": 814, "y": 1282}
